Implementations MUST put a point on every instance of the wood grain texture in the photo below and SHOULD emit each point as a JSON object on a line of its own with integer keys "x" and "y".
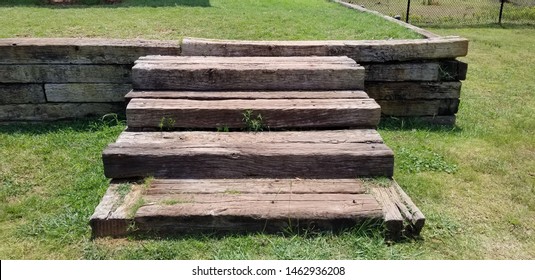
{"x": 246, "y": 158}
{"x": 413, "y": 90}
{"x": 417, "y": 107}
{"x": 86, "y": 92}
{"x": 56, "y": 111}
{"x": 176, "y": 206}
{"x": 256, "y": 186}
{"x": 21, "y": 93}
{"x": 276, "y": 113}
{"x": 248, "y": 61}
{"x": 204, "y": 137}
{"x": 393, "y": 220}
{"x": 401, "y": 72}
{"x": 254, "y": 216}
{"x": 208, "y": 73}
{"x": 265, "y": 205}
{"x": 411, "y": 213}
{"x": 37, "y": 73}
{"x": 222, "y": 95}
{"x": 111, "y": 216}
{"x": 81, "y": 50}
{"x": 360, "y": 51}
{"x": 402, "y": 216}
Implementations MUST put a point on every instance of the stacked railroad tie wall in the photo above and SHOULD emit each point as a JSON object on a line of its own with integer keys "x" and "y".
{"x": 52, "y": 79}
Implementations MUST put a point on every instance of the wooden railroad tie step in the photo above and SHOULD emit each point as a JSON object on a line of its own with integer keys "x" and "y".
{"x": 270, "y": 113}
{"x": 285, "y": 154}
{"x": 250, "y": 205}
{"x": 247, "y": 73}
{"x": 248, "y": 95}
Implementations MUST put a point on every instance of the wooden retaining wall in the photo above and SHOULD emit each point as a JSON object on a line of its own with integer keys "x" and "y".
{"x": 51, "y": 79}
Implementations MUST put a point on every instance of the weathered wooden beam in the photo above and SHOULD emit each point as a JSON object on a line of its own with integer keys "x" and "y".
{"x": 81, "y": 51}
{"x": 247, "y": 205}
{"x": 274, "y": 113}
{"x": 402, "y": 72}
{"x": 208, "y": 73}
{"x": 222, "y": 95}
{"x": 36, "y": 73}
{"x": 106, "y": 220}
{"x": 411, "y": 213}
{"x": 246, "y": 158}
{"x": 86, "y": 92}
{"x": 360, "y": 51}
{"x": 416, "y": 107}
{"x": 431, "y": 71}
{"x": 115, "y": 213}
{"x": 256, "y": 186}
{"x": 21, "y": 93}
{"x": 245, "y": 61}
{"x": 254, "y": 214}
{"x": 171, "y": 206}
{"x": 56, "y": 111}
{"x": 413, "y": 90}
{"x": 393, "y": 220}
{"x": 167, "y": 138}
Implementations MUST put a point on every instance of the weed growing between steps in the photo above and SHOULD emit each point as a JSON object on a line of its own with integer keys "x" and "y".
{"x": 252, "y": 122}
{"x": 166, "y": 124}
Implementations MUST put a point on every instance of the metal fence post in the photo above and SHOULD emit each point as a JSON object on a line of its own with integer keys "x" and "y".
{"x": 409, "y": 9}
{"x": 501, "y": 11}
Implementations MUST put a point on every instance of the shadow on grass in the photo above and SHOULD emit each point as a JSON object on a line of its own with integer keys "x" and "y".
{"x": 101, "y": 4}
{"x": 403, "y": 124}
{"x": 79, "y": 125}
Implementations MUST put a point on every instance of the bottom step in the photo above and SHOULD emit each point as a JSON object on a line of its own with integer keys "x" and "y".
{"x": 252, "y": 205}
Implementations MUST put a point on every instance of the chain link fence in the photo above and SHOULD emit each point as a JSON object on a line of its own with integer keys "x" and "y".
{"x": 454, "y": 12}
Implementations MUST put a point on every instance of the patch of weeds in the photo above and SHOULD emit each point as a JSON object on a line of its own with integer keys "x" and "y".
{"x": 414, "y": 161}
{"x": 231, "y": 191}
{"x": 134, "y": 207}
{"x": 170, "y": 202}
{"x": 223, "y": 129}
{"x": 445, "y": 74}
{"x": 123, "y": 189}
{"x": 166, "y": 124}
{"x": 132, "y": 224}
{"x": 383, "y": 182}
{"x": 111, "y": 119}
{"x": 252, "y": 123}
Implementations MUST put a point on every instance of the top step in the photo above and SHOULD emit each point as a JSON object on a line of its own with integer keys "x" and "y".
{"x": 247, "y": 73}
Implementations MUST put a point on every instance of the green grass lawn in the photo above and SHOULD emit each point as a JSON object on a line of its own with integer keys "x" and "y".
{"x": 175, "y": 19}
{"x": 475, "y": 182}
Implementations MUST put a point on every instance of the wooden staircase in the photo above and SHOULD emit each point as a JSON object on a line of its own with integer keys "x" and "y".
{"x": 250, "y": 144}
